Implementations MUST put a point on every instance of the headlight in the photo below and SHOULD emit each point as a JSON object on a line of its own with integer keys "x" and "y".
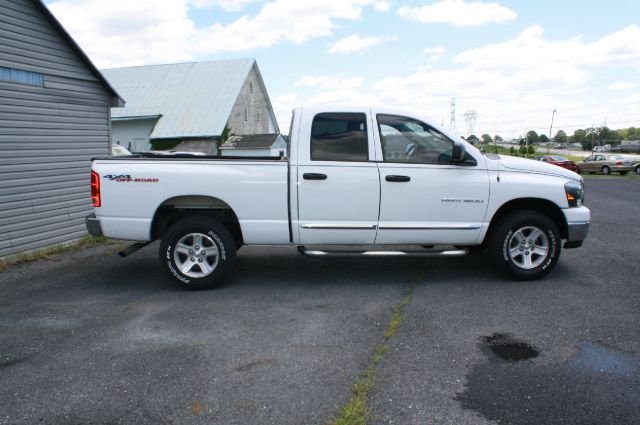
{"x": 574, "y": 193}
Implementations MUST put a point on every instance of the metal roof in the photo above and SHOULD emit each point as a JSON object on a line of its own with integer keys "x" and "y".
{"x": 194, "y": 99}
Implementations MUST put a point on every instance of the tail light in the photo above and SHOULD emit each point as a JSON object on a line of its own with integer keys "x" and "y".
{"x": 95, "y": 189}
{"x": 619, "y": 163}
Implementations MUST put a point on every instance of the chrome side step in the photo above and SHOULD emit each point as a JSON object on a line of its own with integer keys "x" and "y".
{"x": 427, "y": 252}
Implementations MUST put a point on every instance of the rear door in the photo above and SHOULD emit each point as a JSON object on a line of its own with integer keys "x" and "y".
{"x": 338, "y": 181}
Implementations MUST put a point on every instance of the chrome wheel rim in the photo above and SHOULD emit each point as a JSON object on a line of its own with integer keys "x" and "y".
{"x": 606, "y": 171}
{"x": 528, "y": 247}
{"x": 196, "y": 255}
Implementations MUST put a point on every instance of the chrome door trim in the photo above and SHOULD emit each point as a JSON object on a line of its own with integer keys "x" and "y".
{"x": 339, "y": 227}
{"x": 458, "y": 227}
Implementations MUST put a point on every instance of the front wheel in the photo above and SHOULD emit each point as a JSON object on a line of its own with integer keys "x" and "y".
{"x": 525, "y": 245}
{"x": 606, "y": 170}
{"x": 638, "y": 170}
{"x": 197, "y": 252}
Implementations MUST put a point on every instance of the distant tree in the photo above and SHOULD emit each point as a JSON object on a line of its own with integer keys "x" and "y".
{"x": 512, "y": 150}
{"x": 498, "y": 139}
{"x": 578, "y": 136}
{"x": 522, "y": 150}
{"x": 544, "y": 139}
{"x": 561, "y": 137}
{"x": 473, "y": 139}
{"x": 532, "y": 137}
{"x": 486, "y": 138}
{"x": 226, "y": 133}
{"x": 532, "y": 150}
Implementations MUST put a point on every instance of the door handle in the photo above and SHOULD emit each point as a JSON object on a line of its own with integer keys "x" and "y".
{"x": 314, "y": 176}
{"x": 397, "y": 179}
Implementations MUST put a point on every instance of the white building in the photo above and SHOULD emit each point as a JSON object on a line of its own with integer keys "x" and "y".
{"x": 255, "y": 145}
{"x": 186, "y": 106}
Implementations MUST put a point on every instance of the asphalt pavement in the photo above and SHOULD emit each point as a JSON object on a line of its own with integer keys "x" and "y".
{"x": 90, "y": 338}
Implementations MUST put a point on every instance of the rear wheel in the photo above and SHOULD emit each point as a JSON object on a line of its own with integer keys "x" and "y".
{"x": 606, "y": 170}
{"x": 638, "y": 170}
{"x": 197, "y": 252}
{"x": 525, "y": 245}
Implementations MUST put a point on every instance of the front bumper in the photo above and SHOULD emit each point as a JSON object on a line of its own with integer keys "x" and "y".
{"x": 578, "y": 221}
{"x": 93, "y": 225}
{"x": 577, "y": 231}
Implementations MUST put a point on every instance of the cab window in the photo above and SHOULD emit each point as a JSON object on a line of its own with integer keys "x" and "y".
{"x": 407, "y": 140}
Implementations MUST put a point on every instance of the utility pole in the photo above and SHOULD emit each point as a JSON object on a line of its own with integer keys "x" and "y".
{"x": 550, "y": 129}
{"x": 452, "y": 123}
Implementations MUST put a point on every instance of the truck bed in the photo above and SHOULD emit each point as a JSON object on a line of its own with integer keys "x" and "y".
{"x": 134, "y": 189}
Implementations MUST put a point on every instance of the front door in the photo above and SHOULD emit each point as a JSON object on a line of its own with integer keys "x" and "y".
{"x": 338, "y": 181}
{"x": 425, "y": 198}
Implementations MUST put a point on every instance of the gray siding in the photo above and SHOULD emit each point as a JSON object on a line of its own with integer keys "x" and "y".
{"x": 48, "y": 135}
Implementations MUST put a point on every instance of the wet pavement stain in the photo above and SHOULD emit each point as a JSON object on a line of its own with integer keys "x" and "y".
{"x": 508, "y": 347}
{"x": 600, "y": 385}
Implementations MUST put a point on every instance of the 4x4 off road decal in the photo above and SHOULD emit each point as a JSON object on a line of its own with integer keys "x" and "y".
{"x": 126, "y": 178}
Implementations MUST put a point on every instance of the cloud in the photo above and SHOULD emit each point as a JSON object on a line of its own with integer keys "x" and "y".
{"x": 355, "y": 43}
{"x": 124, "y": 32}
{"x": 331, "y": 82}
{"x": 513, "y": 85}
{"x": 459, "y": 13}
{"x": 622, "y": 85}
{"x": 435, "y": 52}
{"x": 382, "y": 6}
{"x": 228, "y": 5}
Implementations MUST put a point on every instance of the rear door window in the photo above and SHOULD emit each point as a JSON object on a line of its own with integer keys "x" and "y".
{"x": 339, "y": 137}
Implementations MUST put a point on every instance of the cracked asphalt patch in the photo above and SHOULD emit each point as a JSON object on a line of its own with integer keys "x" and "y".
{"x": 92, "y": 338}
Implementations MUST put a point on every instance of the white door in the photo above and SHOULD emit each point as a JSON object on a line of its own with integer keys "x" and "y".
{"x": 338, "y": 180}
{"x": 426, "y": 198}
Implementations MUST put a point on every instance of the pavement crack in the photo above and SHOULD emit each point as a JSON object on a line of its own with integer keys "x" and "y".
{"x": 356, "y": 410}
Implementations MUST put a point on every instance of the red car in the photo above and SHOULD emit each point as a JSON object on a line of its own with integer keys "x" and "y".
{"x": 559, "y": 161}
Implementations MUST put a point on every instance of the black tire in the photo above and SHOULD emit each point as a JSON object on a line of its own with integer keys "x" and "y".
{"x": 623, "y": 173}
{"x": 606, "y": 170}
{"x": 504, "y": 236}
{"x": 638, "y": 170}
{"x": 208, "y": 268}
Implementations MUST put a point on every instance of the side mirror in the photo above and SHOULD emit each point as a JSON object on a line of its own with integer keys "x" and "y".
{"x": 459, "y": 152}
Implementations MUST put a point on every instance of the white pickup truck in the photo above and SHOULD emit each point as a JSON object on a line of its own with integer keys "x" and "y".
{"x": 357, "y": 181}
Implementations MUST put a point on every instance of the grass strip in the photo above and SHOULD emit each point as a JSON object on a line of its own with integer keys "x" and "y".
{"x": 47, "y": 252}
{"x": 356, "y": 410}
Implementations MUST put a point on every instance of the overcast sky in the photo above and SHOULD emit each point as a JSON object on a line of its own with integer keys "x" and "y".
{"x": 512, "y": 62}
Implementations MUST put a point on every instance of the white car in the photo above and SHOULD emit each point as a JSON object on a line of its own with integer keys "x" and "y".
{"x": 354, "y": 177}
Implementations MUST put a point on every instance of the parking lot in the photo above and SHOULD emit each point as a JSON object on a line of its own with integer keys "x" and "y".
{"x": 90, "y": 338}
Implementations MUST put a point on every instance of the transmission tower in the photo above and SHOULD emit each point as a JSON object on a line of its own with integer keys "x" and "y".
{"x": 452, "y": 124}
{"x": 470, "y": 118}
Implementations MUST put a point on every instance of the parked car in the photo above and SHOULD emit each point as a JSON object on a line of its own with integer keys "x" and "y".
{"x": 559, "y": 161}
{"x": 605, "y": 164}
{"x": 118, "y": 150}
{"x": 355, "y": 177}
